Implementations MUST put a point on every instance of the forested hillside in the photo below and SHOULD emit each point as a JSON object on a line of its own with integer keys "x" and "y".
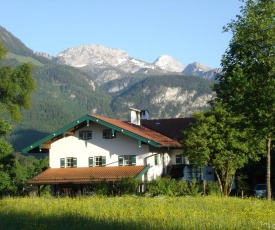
{"x": 65, "y": 93}
{"x": 164, "y": 96}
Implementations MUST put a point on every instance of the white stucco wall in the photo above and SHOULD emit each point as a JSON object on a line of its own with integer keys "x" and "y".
{"x": 72, "y": 146}
{"x": 173, "y": 154}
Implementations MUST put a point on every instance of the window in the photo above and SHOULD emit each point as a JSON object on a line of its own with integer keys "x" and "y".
{"x": 127, "y": 160}
{"x": 85, "y": 135}
{"x": 91, "y": 161}
{"x": 109, "y": 134}
{"x": 97, "y": 161}
{"x": 179, "y": 159}
{"x": 71, "y": 162}
{"x": 62, "y": 162}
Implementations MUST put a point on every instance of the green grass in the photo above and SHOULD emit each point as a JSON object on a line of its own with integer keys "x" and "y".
{"x": 136, "y": 213}
{"x": 23, "y": 59}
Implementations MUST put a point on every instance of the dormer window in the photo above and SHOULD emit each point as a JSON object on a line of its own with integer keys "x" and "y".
{"x": 85, "y": 135}
{"x": 109, "y": 134}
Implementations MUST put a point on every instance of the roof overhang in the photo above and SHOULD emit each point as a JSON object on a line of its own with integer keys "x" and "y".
{"x": 88, "y": 175}
{"x": 44, "y": 144}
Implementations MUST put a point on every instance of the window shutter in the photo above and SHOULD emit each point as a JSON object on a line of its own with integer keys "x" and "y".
{"x": 104, "y": 134}
{"x": 134, "y": 160}
{"x": 103, "y": 160}
{"x": 74, "y": 162}
{"x": 89, "y": 135}
{"x": 178, "y": 159}
{"x": 62, "y": 162}
{"x": 91, "y": 161}
{"x": 156, "y": 159}
{"x": 120, "y": 160}
{"x": 80, "y": 135}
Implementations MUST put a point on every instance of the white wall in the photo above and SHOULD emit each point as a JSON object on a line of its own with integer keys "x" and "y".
{"x": 72, "y": 146}
{"x": 173, "y": 154}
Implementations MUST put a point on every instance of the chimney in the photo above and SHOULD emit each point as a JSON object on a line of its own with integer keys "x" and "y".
{"x": 135, "y": 116}
{"x": 144, "y": 115}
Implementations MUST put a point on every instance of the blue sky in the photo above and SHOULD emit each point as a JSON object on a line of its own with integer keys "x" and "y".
{"x": 187, "y": 30}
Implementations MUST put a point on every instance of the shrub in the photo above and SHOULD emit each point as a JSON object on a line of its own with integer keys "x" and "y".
{"x": 127, "y": 186}
{"x": 194, "y": 188}
{"x": 171, "y": 187}
{"x": 102, "y": 188}
{"x": 213, "y": 188}
{"x": 182, "y": 188}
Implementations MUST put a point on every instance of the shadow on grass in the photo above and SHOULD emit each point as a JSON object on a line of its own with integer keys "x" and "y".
{"x": 23, "y": 221}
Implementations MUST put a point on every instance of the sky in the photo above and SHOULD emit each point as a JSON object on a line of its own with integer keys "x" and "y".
{"x": 187, "y": 30}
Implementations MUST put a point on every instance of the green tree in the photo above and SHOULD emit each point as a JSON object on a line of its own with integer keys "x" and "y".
{"x": 215, "y": 140}
{"x": 247, "y": 82}
{"x": 16, "y": 86}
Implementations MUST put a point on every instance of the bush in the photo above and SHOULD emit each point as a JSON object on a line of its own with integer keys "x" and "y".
{"x": 171, "y": 187}
{"x": 182, "y": 188}
{"x": 213, "y": 188}
{"x": 127, "y": 186}
{"x": 102, "y": 188}
{"x": 194, "y": 188}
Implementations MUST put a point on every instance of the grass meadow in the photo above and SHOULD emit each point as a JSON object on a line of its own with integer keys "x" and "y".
{"x": 134, "y": 212}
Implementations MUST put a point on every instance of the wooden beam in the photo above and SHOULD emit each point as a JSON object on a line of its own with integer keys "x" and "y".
{"x": 69, "y": 133}
{"x": 46, "y": 146}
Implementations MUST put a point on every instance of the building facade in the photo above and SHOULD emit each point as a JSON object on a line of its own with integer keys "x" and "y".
{"x": 94, "y": 148}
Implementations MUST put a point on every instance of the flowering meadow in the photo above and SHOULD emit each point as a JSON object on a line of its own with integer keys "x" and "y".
{"x": 134, "y": 212}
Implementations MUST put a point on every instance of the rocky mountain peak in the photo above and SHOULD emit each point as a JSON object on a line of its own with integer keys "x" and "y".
{"x": 105, "y": 63}
{"x": 168, "y": 63}
{"x": 97, "y": 55}
{"x": 101, "y": 57}
{"x": 195, "y": 69}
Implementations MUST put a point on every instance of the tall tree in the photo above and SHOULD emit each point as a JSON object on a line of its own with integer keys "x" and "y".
{"x": 247, "y": 82}
{"x": 215, "y": 140}
{"x": 16, "y": 86}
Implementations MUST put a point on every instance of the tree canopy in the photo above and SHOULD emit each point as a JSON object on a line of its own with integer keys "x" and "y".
{"x": 215, "y": 140}
{"x": 16, "y": 86}
{"x": 247, "y": 82}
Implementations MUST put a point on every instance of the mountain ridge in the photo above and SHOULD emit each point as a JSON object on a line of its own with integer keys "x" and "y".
{"x": 90, "y": 57}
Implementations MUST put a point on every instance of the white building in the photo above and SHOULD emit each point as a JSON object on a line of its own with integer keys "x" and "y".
{"x": 94, "y": 148}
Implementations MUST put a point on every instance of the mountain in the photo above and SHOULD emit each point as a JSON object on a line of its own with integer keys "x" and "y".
{"x": 105, "y": 64}
{"x": 165, "y": 96}
{"x": 115, "y": 70}
{"x": 200, "y": 70}
{"x": 169, "y": 64}
{"x": 100, "y": 80}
